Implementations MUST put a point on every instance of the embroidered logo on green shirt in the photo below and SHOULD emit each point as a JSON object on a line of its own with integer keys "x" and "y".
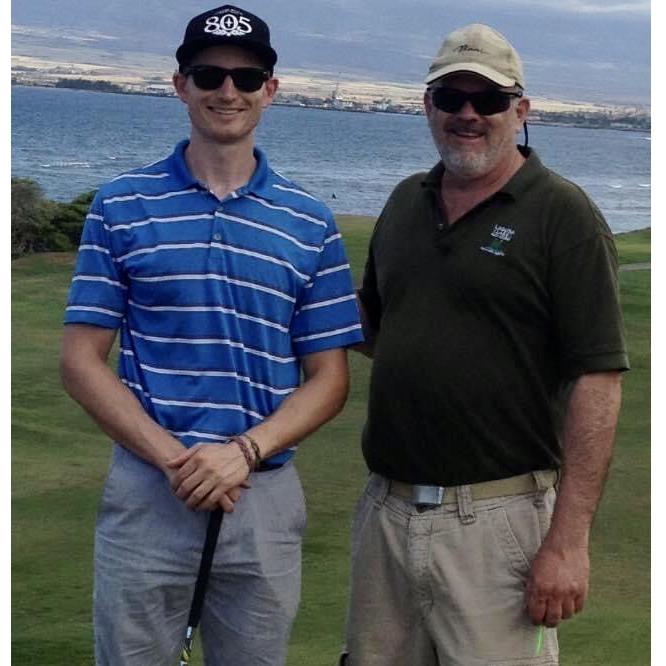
{"x": 500, "y": 236}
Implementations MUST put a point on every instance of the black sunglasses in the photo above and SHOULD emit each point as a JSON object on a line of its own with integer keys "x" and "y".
{"x": 485, "y": 102}
{"x": 210, "y": 77}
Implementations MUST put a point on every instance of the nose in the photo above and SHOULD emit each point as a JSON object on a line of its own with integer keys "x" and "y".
{"x": 467, "y": 110}
{"x": 228, "y": 89}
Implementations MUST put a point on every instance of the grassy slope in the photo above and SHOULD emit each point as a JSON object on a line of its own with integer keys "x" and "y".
{"x": 59, "y": 460}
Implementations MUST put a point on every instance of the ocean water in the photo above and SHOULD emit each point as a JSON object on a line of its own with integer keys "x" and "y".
{"x": 70, "y": 141}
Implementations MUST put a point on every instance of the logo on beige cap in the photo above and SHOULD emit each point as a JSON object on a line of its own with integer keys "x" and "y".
{"x": 464, "y": 48}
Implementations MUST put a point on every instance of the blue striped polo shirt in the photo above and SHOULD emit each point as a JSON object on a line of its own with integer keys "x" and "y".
{"x": 216, "y": 300}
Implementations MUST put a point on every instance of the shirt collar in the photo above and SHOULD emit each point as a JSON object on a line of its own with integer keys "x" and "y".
{"x": 260, "y": 183}
{"x": 531, "y": 169}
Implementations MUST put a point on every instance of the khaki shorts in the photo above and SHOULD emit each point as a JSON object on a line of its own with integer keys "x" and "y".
{"x": 446, "y": 585}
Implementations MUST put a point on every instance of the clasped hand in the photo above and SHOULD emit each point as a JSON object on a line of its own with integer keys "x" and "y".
{"x": 207, "y": 476}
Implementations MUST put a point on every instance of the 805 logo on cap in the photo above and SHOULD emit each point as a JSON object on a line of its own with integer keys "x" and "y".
{"x": 228, "y": 25}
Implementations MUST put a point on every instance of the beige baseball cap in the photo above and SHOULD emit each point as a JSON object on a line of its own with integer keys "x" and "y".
{"x": 481, "y": 50}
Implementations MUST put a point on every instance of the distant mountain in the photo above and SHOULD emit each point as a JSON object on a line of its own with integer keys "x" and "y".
{"x": 592, "y": 56}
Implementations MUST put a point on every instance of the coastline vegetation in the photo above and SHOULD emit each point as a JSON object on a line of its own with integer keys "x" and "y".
{"x": 89, "y": 84}
{"x": 59, "y": 460}
{"x": 41, "y": 225}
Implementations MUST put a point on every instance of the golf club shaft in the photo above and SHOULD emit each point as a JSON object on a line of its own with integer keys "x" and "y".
{"x": 212, "y": 532}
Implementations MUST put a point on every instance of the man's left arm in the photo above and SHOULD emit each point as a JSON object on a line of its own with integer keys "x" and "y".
{"x": 206, "y": 472}
{"x": 559, "y": 578}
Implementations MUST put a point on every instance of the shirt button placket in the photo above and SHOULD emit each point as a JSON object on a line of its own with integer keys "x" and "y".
{"x": 217, "y": 225}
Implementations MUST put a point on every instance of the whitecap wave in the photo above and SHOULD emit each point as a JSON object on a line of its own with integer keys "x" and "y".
{"x": 644, "y": 185}
{"x": 63, "y": 165}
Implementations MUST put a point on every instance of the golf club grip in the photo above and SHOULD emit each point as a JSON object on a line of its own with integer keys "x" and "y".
{"x": 212, "y": 532}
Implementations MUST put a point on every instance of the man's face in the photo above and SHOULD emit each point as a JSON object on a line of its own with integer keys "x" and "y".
{"x": 225, "y": 115}
{"x": 470, "y": 144}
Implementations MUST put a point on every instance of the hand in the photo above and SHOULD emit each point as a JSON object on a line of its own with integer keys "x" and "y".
{"x": 207, "y": 476}
{"x": 558, "y": 584}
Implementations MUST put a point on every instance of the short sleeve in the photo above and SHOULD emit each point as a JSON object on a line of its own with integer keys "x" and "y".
{"x": 584, "y": 287}
{"x": 98, "y": 292}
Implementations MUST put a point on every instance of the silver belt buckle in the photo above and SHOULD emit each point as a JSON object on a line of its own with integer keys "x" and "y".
{"x": 427, "y": 495}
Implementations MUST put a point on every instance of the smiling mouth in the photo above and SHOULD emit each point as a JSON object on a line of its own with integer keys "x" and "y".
{"x": 466, "y": 134}
{"x": 223, "y": 112}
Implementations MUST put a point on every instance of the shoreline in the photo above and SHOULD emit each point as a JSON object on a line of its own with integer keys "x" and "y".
{"x": 332, "y": 106}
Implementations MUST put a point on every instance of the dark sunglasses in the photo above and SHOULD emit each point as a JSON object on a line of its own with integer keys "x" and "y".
{"x": 210, "y": 77}
{"x": 485, "y": 102}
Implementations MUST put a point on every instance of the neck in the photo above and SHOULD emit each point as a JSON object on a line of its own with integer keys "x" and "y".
{"x": 488, "y": 183}
{"x": 223, "y": 168}
{"x": 459, "y": 194}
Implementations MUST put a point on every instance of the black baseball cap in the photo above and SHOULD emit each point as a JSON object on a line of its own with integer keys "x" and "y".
{"x": 227, "y": 25}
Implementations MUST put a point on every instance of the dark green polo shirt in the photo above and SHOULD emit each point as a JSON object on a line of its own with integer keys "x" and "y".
{"x": 483, "y": 324}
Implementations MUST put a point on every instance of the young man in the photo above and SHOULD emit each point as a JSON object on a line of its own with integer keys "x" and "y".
{"x": 226, "y": 281}
{"x": 490, "y": 302}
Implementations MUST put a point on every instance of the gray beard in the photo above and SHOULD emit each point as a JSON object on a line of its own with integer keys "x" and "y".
{"x": 465, "y": 165}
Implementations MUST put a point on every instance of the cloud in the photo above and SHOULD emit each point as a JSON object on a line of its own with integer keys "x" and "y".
{"x": 590, "y": 7}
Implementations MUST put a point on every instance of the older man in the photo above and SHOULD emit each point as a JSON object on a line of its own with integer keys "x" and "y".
{"x": 226, "y": 280}
{"x": 490, "y": 306}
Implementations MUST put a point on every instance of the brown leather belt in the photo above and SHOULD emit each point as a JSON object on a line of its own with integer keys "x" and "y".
{"x": 513, "y": 485}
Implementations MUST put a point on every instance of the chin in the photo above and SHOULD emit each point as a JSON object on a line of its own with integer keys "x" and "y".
{"x": 466, "y": 166}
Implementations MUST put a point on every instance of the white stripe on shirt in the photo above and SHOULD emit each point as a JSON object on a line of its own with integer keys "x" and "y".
{"x": 332, "y": 301}
{"x": 217, "y": 373}
{"x": 295, "y": 191}
{"x": 97, "y": 278}
{"x": 207, "y": 405}
{"x": 159, "y": 220}
{"x": 90, "y": 308}
{"x": 148, "y": 197}
{"x": 214, "y": 341}
{"x": 209, "y": 308}
{"x": 328, "y": 334}
{"x": 216, "y": 276}
{"x": 290, "y": 211}
{"x": 271, "y": 230}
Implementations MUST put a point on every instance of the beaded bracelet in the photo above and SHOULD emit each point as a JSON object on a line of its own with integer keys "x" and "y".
{"x": 242, "y": 445}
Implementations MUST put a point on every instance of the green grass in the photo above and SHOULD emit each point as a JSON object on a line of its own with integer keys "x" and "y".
{"x": 59, "y": 460}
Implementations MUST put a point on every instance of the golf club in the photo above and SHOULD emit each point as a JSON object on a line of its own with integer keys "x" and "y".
{"x": 212, "y": 532}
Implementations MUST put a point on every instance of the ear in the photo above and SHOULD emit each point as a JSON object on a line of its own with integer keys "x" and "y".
{"x": 179, "y": 84}
{"x": 270, "y": 88}
{"x": 523, "y": 109}
{"x": 427, "y": 102}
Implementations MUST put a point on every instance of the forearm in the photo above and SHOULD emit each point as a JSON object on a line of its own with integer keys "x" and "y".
{"x": 587, "y": 445}
{"x": 89, "y": 381}
{"x": 321, "y": 397}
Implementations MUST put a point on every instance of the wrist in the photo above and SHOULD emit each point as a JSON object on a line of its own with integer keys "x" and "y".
{"x": 254, "y": 446}
{"x": 562, "y": 539}
{"x": 251, "y": 459}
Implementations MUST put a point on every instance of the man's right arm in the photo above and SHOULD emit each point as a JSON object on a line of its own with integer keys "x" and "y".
{"x": 88, "y": 379}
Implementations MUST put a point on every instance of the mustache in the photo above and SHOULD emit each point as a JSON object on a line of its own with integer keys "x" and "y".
{"x": 464, "y": 126}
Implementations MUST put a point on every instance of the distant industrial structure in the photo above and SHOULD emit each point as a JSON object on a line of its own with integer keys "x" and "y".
{"x": 607, "y": 117}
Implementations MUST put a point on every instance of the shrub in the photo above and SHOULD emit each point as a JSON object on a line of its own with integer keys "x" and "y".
{"x": 40, "y": 225}
{"x": 32, "y": 230}
{"x": 69, "y": 217}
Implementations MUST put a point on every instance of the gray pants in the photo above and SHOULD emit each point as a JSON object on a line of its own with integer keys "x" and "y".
{"x": 147, "y": 551}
